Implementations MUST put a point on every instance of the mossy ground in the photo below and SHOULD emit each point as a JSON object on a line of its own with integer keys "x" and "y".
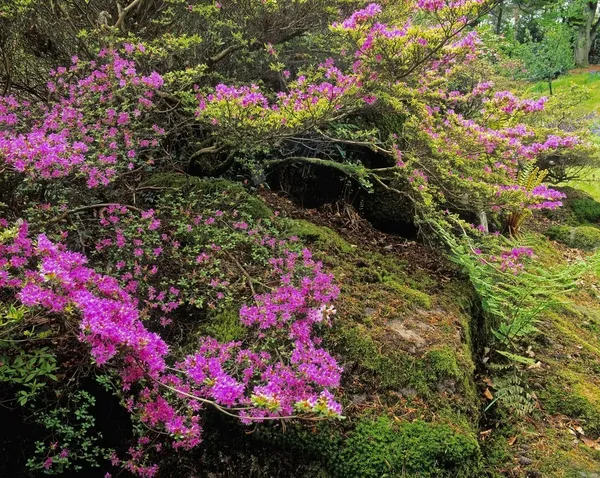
{"x": 406, "y": 332}
{"x": 561, "y": 436}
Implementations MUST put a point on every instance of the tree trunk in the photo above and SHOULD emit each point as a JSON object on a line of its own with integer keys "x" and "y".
{"x": 499, "y": 19}
{"x": 586, "y": 34}
{"x": 483, "y": 222}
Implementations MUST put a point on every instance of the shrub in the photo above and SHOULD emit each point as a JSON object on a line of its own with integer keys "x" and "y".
{"x": 586, "y": 210}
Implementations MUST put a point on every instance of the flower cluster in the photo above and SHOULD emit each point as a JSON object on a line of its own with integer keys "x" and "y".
{"x": 359, "y": 16}
{"x": 295, "y": 378}
{"x": 509, "y": 261}
{"x": 87, "y": 130}
{"x": 246, "y": 112}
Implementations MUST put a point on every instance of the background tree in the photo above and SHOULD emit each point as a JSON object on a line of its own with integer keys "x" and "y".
{"x": 583, "y": 16}
{"x": 548, "y": 57}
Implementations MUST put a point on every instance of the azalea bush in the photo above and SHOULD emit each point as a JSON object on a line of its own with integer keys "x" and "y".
{"x": 109, "y": 266}
{"x": 260, "y": 383}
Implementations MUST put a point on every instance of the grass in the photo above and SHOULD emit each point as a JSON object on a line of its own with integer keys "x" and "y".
{"x": 589, "y": 181}
{"x": 589, "y": 79}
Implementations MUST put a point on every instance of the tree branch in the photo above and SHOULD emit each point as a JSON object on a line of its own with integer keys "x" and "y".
{"x": 85, "y": 208}
{"x": 123, "y": 13}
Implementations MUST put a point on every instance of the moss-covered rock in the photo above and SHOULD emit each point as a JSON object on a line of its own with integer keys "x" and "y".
{"x": 413, "y": 296}
{"x": 582, "y": 237}
{"x": 311, "y": 234}
{"x": 386, "y": 448}
{"x": 568, "y": 399}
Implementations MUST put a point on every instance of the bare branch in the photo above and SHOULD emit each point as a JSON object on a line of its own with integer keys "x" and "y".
{"x": 123, "y": 13}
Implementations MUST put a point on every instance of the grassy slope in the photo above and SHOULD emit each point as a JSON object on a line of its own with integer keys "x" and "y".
{"x": 568, "y": 381}
{"x": 589, "y": 183}
{"x": 590, "y": 79}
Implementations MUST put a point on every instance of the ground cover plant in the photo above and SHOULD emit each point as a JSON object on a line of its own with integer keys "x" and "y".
{"x": 163, "y": 310}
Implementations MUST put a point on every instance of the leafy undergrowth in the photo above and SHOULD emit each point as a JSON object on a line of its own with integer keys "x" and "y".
{"x": 562, "y": 437}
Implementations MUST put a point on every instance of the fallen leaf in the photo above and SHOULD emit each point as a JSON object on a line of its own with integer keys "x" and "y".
{"x": 487, "y": 394}
{"x": 590, "y": 443}
{"x": 538, "y": 364}
{"x": 511, "y": 441}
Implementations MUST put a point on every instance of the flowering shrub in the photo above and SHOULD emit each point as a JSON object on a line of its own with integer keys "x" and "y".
{"x": 292, "y": 380}
{"x": 95, "y": 127}
{"x": 465, "y": 161}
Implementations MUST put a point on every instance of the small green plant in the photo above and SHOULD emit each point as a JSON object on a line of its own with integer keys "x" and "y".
{"x": 72, "y": 443}
{"x": 513, "y": 300}
{"x": 545, "y": 59}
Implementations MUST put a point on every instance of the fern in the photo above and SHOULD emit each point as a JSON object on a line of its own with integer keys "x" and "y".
{"x": 529, "y": 178}
{"x": 513, "y": 304}
{"x": 511, "y": 391}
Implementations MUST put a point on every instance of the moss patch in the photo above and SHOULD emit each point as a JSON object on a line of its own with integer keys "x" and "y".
{"x": 583, "y": 237}
{"x": 311, "y": 234}
{"x": 386, "y": 448}
{"x": 225, "y": 325}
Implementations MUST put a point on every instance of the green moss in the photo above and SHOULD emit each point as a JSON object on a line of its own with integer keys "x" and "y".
{"x": 382, "y": 369}
{"x": 384, "y": 448}
{"x": 225, "y": 326}
{"x": 567, "y": 399}
{"x": 412, "y": 296}
{"x": 220, "y": 193}
{"x": 319, "y": 235}
{"x": 443, "y": 363}
{"x": 582, "y": 237}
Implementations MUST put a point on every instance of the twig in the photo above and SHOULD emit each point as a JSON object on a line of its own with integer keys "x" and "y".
{"x": 244, "y": 271}
{"x": 91, "y": 206}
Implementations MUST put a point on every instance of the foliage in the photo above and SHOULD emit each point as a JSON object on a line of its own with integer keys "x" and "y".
{"x": 28, "y": 368}
{"x": 72, "y": 442}
{"x": 261, "y": 385}
{"x": 581, "y": 237}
